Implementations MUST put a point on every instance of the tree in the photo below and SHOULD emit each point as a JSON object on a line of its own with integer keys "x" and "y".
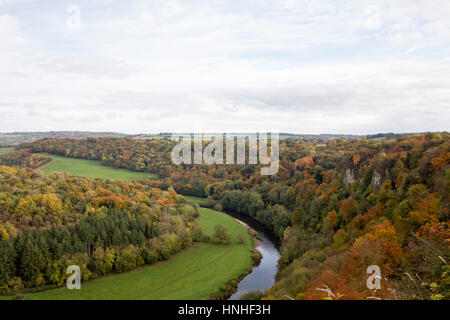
{"x": 221, "y": 235}
{"x": 7, "y": 263}
{"x": 240, "y": 237}
{"x": 30, "y": 267}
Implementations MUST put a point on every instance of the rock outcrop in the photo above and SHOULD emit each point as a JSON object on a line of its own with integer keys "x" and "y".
{"x": 376, "y": 180}
{"x": 349, "y": 177}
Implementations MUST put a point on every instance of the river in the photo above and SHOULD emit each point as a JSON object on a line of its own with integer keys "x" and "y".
{"x": 263, "y": 275}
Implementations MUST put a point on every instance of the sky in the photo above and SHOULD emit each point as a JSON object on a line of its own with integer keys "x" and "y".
{"x": 315, "y": 66}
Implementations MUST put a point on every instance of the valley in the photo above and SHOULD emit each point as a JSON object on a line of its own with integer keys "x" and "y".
{"x": 334, "y": 208}
{"x": 194, "y": 273}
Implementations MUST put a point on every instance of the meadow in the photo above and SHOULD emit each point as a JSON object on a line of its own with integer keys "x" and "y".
{"x": 4, "y": 150}
{"x": 192, "y": 274}
{"x": 200, "y": 201}
{"x": 91, "y": 169}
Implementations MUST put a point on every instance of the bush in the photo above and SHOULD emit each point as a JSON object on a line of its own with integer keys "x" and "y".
{"x": 18, "y": 296}
{"x": 256, "y": 257}
{"x": 197, "y": 234}
{"x": 128, "y": 259}
{"x": 210, "y": 201}
{"x": 149, "y": 256}
{"x": 221, "y": 235}
{"x": 252, "y": 295}
{"x": 240, "y": 238}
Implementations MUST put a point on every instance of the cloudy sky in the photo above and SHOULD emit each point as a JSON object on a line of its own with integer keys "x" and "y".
{"x": 303, "y": 66}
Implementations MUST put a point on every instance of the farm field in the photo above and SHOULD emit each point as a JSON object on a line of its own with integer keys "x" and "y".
{"x": 4, "y": 150}
{"x": 199, "y": 200}
{"x": 91, "y": 169}
{"x": 209, "y": 218}
{"x": 194, "y": 273}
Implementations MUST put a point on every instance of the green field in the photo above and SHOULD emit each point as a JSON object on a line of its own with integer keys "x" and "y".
{"x": 4, "y": 150}
{"x": 200, "y": 201}
{"x": 209, "y": 218}
{"x": 91, "y": 169}
{"x": 192, "y": 274}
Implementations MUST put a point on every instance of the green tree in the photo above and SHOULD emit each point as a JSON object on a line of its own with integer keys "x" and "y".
{"x": 221, "y": 235}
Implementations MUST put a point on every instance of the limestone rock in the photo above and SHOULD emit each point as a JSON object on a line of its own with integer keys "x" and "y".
{"x": 349, "y": 177}
{"x": 376, "y": 180}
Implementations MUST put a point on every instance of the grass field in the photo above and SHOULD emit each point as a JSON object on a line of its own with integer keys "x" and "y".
{"x": 200, "y": 201}
{"x": 4, "y": 150}
{"x": 209, "y": 218}
{"x": 91, "y": 169}
{"x": 194, "y": 273}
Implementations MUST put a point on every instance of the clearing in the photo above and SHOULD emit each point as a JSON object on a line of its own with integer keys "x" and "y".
{"x": 91, "y": 169}
{"x": 4, "y": 150}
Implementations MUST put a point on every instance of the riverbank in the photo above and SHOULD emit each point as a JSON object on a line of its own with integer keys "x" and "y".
{"x": 262, "y": 275}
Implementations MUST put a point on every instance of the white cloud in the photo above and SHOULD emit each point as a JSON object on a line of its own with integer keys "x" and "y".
{"x": 295, "y": 65}
{"x": 9, "y": 32}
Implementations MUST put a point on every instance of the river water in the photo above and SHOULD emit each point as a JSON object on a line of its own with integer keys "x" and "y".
{"x": 263, "y": 275}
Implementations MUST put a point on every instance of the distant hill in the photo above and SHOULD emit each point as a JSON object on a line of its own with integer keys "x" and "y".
{"x": 293, "y": 136}
{"x": 16, "y": 138}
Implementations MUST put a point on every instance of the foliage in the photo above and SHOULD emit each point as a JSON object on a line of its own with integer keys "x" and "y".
{"x": 221, "y": 235}
{"x": 23, "y": 159}
{"x": 337, "y": 206}
{"x": 50, "y": 222}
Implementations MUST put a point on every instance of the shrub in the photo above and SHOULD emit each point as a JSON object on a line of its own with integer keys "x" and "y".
{"x": 240, "y": 238}
{"x": 221, "y": 235}
{"x": 252, "y": 295}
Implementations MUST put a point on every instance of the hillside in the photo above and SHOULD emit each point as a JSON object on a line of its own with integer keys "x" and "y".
{"x": 49, "y": 222}
{"x": 338, "y": 206}
{"x": 8, "y": 139}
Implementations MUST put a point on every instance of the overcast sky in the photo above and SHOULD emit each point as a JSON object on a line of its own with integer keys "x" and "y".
{"x": 302, "y": 66}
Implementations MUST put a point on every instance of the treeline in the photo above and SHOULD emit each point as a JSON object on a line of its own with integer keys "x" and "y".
{"x": 16, "y": 138}
{"x": 338, "y": 206}
{"x": 50, "y": 222}
{"x": 23, "y": 159}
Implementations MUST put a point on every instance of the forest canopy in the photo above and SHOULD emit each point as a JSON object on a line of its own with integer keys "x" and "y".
{"x": 337, "y": 207}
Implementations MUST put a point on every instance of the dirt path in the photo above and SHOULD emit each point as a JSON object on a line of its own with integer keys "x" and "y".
{"x": 242, "y": 223}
